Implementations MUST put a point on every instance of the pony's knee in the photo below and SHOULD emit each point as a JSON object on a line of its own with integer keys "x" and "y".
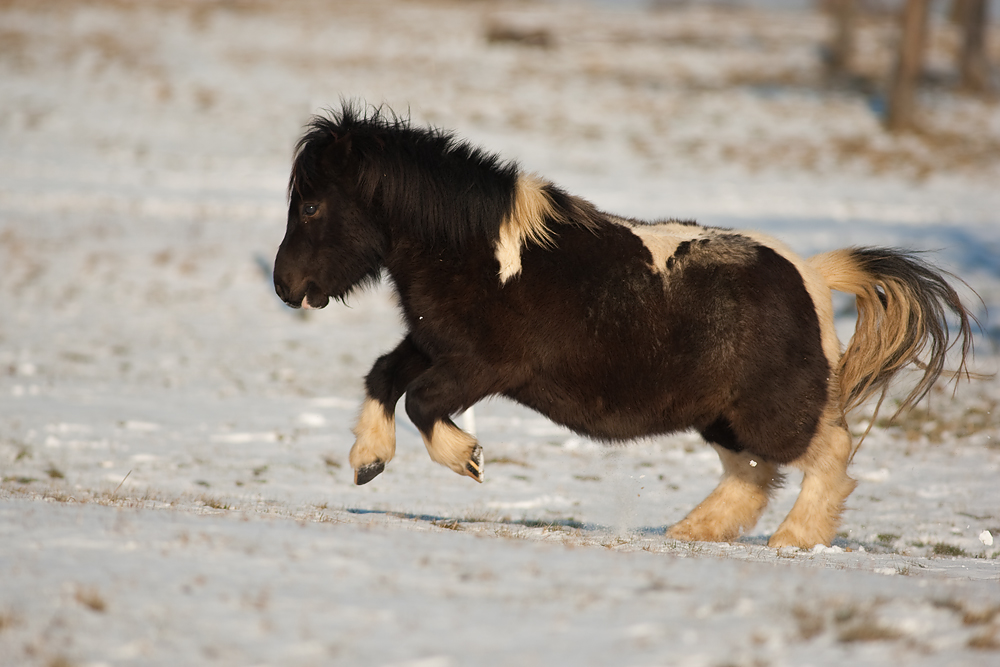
{"x": 755, "y": 473}
{"x": 392, "y": 372}
{"x": 428, "y": 401}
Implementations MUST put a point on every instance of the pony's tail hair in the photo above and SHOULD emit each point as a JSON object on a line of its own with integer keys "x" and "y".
{"x": 902, "y": 303}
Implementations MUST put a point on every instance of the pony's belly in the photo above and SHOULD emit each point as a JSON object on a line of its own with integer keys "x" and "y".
{"x": 597, "y": 417}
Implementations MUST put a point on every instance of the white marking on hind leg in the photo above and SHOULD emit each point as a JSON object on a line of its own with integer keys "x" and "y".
{"x": 376, "y": 436}
{"x": 815, "y": 517}
{"x": 454, "y": 448}
{"x": 735, "y": 505}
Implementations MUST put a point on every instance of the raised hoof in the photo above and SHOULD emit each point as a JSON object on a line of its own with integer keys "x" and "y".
{"x": 367, "y": 473}
{"x": 474, "y": 468}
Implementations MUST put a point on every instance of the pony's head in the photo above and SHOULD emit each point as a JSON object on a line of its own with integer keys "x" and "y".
{"x": 360, "y": 179}
{"x": 331, "y": 245}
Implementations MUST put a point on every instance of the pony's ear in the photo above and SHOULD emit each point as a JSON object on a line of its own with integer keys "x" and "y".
{"x": 337, "y": 152}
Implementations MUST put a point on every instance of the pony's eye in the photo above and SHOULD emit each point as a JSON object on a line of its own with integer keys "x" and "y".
{"x": 309, "y": 209}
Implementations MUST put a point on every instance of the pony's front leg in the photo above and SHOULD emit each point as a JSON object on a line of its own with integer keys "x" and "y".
{"x": 376, "y": 428}
{"x": 430, "y": 401}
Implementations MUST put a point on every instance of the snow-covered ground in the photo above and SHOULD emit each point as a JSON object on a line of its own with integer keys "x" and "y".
{"x": 173, "y": 440}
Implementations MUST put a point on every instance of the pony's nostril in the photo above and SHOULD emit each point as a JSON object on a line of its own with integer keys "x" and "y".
{"x": 280, "y": 289}
{"x": 283, "y": 291}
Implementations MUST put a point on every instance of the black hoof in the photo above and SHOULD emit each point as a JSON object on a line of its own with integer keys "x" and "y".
{"x": 367, "y": 473}
{"x": 475, "y": 464}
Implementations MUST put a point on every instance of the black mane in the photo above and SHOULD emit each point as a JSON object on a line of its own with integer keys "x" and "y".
{"x": 423, "y": 179}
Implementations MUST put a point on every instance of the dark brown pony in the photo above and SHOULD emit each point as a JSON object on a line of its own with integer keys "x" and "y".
{"x": 615, "y": 328}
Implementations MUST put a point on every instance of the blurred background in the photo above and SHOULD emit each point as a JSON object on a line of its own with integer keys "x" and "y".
{"x": 145, "y": 361}
{"x": 145, "y": 148}
{"x": 144, "y": 157}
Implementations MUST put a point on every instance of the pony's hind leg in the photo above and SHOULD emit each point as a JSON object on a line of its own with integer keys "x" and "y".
{"x": 375, "y": 432}
{"x": 736, "y": 503}
{"x": 815, "y": 516}
{"x": 430, "y": 401}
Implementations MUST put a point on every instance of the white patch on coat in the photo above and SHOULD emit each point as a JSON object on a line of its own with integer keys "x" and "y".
{"x": 662, "y": 238}
{"x": 526, "y": 223}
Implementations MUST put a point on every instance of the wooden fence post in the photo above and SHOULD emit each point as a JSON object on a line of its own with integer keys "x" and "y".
{"x": 839, "y": 62}
{"x": 903, "y": 86}
{"x": 973, "y": 64}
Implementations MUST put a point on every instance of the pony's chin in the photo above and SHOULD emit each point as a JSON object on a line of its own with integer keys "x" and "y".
{"x": 316, "y": 303}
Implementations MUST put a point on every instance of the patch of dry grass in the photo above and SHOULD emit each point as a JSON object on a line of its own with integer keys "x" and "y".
{"x": 988, "y": 640}
{"x": 91, "y": 598}
{"x": 864, "y": 630}
{"x": 680, "y": 58}
{"x": 937, "y": 426}
{"x": 848, "y": 622}
{"x": 506, "y": 460}
{"x": 945, "y": 550}
{"x": 8, "y": 619}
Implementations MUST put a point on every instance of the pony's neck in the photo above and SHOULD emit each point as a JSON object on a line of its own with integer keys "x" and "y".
{"x": 432, "y": 189}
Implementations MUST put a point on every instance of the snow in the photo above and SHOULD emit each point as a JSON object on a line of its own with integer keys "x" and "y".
{"x": 173, "y": 440}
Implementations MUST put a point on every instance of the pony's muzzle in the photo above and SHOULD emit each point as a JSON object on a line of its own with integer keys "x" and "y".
{"x": 311, "y": 297}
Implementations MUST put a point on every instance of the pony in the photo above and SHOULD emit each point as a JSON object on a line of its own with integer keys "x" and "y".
{"x": 614, "y": 327}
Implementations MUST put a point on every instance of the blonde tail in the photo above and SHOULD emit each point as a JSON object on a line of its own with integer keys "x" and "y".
{"x": 902, "y": 303}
